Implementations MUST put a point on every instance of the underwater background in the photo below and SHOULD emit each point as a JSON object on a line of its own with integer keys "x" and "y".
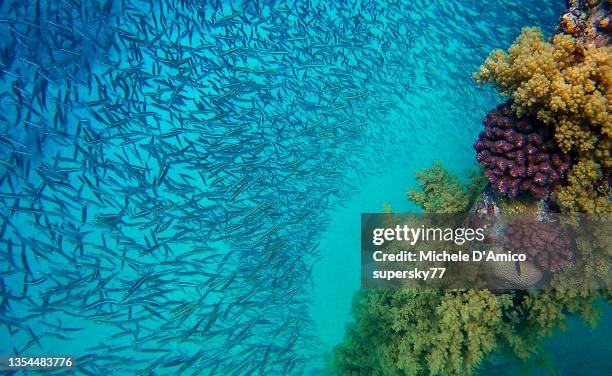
{"x": 181, "y": 181}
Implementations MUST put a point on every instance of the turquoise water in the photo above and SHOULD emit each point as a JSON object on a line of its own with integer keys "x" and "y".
{"x": 577, "y": 350}
{"x": 181, "y": 181}
{"x": 458, "y": 37}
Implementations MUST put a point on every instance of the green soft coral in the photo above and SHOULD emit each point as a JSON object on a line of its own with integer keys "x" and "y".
{"x": 428, "y": 332}
{"x": 403, "y": 332}
{"x": 414, "y": 332}
{"x": 547, "y": 311}
{"x": 469, "y": 324}
{"x": 442, "y": 192}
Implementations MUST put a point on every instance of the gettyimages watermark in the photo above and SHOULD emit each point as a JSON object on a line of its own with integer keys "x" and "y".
{"x": 520, "y": 251}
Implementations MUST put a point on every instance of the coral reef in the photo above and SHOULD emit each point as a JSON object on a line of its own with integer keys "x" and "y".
{"x": 461, "y": 328}
{"x": 441, "y": 192}
{"x": 591, "y": 269}
{"x": 566, "y": 86}
{"x": 589, "y": 21}
{"x": 565, "y": 83}
{"x": 518, "y": 155}
{"x": 559, "y": 91}
{"x": 430, "y": 332}
{"x": 586, "y": 190}
{"x": 548, "y": 244}
{"x": 434, "y": 332}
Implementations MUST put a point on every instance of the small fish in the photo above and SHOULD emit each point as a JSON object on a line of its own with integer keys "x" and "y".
{"x": 137, "y": 284}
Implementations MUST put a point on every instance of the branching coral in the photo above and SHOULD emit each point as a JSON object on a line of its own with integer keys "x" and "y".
{"x": 518, "y": 154}
{"x": 565, "y": 85}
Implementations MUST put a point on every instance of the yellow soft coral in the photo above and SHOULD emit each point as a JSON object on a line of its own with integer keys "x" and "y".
{"x": 581, "y": 193}
{"x": 566, "y": 85}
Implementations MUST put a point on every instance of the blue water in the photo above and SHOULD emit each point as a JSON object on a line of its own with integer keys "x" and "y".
{"x": 182, "y": 181}
{"x": 454, "y": 40}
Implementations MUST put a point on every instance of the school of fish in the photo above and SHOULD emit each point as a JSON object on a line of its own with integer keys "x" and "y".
{"x": 166, "y": 167}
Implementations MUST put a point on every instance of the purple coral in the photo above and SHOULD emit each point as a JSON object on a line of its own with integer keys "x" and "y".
{"x": 519, "y": 154}
{"x": 548, "y": 244}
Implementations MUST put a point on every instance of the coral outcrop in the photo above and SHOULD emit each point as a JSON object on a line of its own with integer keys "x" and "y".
{"x": 519, "y": 155}
{"x": 565, "y": 85}
{"x": 589, "y": 21}
{"x": 546, "y": 243}
{"x": 429, "y": 332}
{"x": 435, "y": 332}
{"x": 560, "y": 91}
{"x": 414, "y": 332}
